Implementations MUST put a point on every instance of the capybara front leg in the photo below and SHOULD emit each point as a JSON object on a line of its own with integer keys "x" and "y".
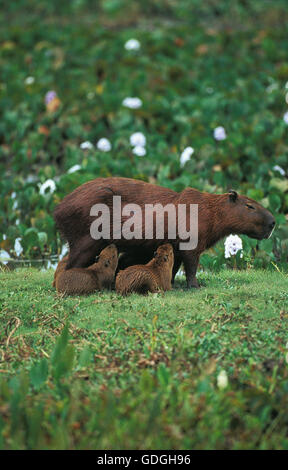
{"x": 176, "y": 266}
{"x": 84, "y": 252}
{"x": 190, "y": 266}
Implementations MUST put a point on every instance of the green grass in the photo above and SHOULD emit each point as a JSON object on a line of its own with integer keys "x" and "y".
{"x": 141, "y": 372}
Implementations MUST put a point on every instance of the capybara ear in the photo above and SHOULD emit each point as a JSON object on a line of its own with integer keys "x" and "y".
{"x": 233, "y": 195}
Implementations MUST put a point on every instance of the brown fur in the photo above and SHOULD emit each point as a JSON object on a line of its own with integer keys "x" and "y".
{"x": 100, "y": 275}
{"x": 60, "y": 267}
{"x": 152, "y": 277}
{"x": 219, "y": 216}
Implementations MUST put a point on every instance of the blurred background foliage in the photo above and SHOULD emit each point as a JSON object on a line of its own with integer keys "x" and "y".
{"x": 200, "y": 65}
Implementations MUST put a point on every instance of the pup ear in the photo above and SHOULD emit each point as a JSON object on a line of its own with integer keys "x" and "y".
{"x": 233, "y": 195}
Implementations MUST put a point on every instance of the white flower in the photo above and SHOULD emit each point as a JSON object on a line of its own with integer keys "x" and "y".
{"x": 29, "y": 80}
{"x": 74, "y": 168}
{"x": 138, "y": 139}
{"x": 219, "y": 133}
{"x": 18, "y": 247}
{"x": 132, "y": 103}
{"x": 15, "y": 203}
{"x": 49, "y": 184}
{"x": 104, "y": 145}
{"x": 233, "y": 244}
{"x": 4, "y": 256}
{"x": 285, "y": 118}
{"x": 186, "y": 155}
{"x": 132, "y": 45}
{"x": 139, "y": 151}
{"x": 86, "y": 145}
{"x": 222, "y": 380}
{"x": 279, "y": 169}
{"x": 31, "y": 179}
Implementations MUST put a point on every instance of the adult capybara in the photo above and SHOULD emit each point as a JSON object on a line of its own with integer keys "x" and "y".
{"x": 60, "y": 267}
{"x": 151, "y": 277}
{"x": 100, "y": 275}
{"x": 218, "y": 216}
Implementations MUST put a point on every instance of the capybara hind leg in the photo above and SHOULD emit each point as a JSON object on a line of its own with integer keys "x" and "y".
{"x": 190, "y": 266}
{"x": 83, "y": 254}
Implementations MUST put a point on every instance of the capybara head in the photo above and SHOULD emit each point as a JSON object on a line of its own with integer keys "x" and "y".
{"x": 108, "y": 257}
{"x": 164, "y": 255}
{"x": 249, "y": 217}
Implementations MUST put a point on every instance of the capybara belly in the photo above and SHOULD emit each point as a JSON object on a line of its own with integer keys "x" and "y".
{"x": 76, "y": 283}
{"x": 136, "y": 279}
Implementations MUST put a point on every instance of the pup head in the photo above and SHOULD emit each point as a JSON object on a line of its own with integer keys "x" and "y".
{"x": 164, "y": 255}
{"x": 108, "y": 257}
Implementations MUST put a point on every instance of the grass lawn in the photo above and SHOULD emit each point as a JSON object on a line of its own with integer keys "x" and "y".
{"x": 141, "y": 372}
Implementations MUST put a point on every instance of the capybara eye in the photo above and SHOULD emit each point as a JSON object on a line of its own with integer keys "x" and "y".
{"x": 249, "y": 206}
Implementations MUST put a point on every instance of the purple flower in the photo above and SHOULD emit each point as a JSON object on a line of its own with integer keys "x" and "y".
{"x": 50, "y": 96}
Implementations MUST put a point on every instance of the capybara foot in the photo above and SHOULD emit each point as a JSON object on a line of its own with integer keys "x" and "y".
{"x": 193, "y": 283}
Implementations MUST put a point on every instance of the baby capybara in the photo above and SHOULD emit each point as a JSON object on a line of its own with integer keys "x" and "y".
{"x": 151, "y": 277}
{"x": 100, "y": 275}
{"x": 60, "y": 267}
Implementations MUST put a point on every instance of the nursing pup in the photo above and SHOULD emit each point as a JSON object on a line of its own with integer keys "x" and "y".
{"x": 98, "y": 276}
{"x": 151, "y": 277}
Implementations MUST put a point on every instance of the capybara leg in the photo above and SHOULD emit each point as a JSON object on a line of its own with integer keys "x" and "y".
{"x": 83, "y": 254}
{"x": 190, "y": 265}
{"x": 176, "y": 267}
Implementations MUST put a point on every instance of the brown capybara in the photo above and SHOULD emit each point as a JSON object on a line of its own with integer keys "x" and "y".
{"x": 60, "y": 267}
{"x": 218, "y": 216}
{"x": 100, "y": 275}
{"x": 151, "y": 277}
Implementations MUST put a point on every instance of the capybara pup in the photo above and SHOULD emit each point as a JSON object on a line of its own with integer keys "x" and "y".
{"x": 60, "y": 267}
{"x": 100, "y": 275}
{"x": 151, "y": 277}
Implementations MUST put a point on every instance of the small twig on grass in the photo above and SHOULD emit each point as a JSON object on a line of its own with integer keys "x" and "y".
{"x": 17, "y": 322}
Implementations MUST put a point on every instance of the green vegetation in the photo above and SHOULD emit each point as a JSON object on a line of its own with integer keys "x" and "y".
{"x": 200, "y": 65}
{"x": 141, "y": 372}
